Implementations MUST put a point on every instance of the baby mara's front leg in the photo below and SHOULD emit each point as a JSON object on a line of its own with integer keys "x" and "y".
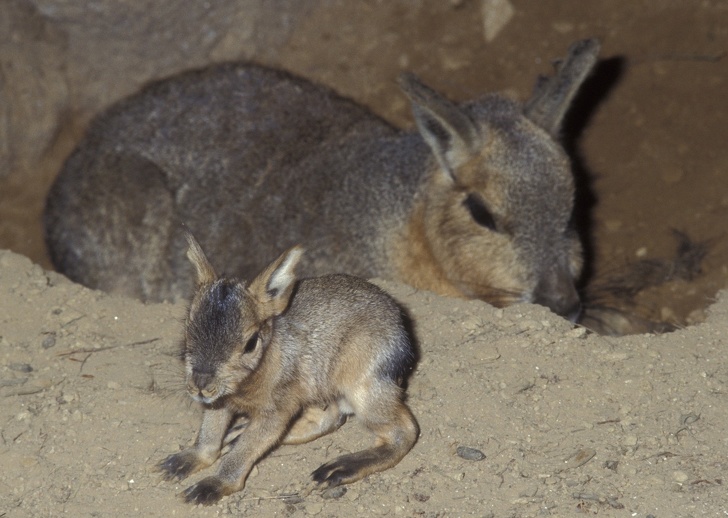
{"x": 215, "y": 422}
{"x": 256, "y": 440}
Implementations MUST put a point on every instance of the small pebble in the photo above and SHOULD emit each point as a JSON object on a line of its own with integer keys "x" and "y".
{"x": 630, "y": 440}
{"x": 468, "y": 453}
{"x": 679, "y": 476}
{"x": 49, "y": 341}
{"x": 21, "y": 367}
{"x": 314, "y": 508}
{"x": 334, "y": 492}
{"x": 577, "y": 332}
{"x": 472, "y": 323}
{"x": 455, "y": 475}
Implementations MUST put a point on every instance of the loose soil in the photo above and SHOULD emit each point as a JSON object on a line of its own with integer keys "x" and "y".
{"x": 569, "y": 422}
{"x": 91, "y": 397}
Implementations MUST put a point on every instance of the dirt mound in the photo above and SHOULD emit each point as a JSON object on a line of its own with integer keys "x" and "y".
{"x": 91, "y": 397}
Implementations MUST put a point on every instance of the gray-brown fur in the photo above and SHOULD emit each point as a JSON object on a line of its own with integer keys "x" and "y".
{"x": 476, "y": 203}
{"x": 295, "y": 358}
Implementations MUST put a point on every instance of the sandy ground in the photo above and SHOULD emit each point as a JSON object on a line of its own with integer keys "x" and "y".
{"x": 568, "y": 422}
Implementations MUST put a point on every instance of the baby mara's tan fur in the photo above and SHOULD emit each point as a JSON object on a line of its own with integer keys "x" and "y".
{"x": 476, "y": 203}
{"x": 295, "y": 358}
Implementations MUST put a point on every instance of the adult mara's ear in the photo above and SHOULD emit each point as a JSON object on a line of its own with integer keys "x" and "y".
{"x": 450, "y": 133}
{"x": 552, "y": 96}
{"x": 273, "y": 287}
{"x": 205, "y": 272}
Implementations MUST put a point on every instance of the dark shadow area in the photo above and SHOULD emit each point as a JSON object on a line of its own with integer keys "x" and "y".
{"x": 593, "y": 92}
{"x": 410, "y": 328}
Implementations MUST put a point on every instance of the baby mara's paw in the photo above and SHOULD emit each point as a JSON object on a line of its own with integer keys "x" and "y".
{"x": 207, "y": 491}
{"x": 180, "y": 465}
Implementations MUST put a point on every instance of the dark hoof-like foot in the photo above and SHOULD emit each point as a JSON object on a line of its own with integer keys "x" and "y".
{"x": 340, "y": 471}
{"x": 179, "y": 466}
{"x": 206, "y": 492}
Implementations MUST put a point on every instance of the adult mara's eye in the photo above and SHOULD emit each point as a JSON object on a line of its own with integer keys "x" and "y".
{"x": 479, "y": 211}
{"x": 251, "y": 344}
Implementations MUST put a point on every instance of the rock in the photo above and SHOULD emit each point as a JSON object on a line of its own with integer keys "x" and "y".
{"x": 468, "y": 453}
{"x": 34, "y": 91}
{"x": 49, "y": 341}
{"x": 679, "y": 476}
{"x": 333, "y": 493}
{"x": 496, "y": 15}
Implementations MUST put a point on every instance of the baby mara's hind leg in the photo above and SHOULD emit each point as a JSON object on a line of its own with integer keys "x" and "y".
{"x": 314, "y": 422}
{"x": 396, "y": 430}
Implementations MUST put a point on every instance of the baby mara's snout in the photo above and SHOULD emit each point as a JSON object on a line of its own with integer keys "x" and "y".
{"x": 202, "y": 385}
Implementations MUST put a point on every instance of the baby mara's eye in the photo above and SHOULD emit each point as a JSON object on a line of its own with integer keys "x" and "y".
{"x": 479, "y": 211}
{"x": 251, "y": 344}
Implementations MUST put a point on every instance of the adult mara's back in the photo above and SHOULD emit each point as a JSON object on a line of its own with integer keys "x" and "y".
{"x": 476, "y": 203}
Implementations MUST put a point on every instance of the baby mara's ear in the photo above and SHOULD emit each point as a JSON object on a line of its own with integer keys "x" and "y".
{"x": 273, "y": 287}
{"x": 205, "y": 272}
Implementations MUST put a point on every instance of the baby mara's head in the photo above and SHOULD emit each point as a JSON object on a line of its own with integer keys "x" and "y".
{"x": 222, "y": 343}
{"x": 229, "y": 323}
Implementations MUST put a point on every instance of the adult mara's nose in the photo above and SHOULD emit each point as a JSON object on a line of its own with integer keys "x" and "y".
{"x": 556, "y": 291}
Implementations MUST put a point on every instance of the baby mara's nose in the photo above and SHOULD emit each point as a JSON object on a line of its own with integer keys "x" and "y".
{"x": 202, "y": 383}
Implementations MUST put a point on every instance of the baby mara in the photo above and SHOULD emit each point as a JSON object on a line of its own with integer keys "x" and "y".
{"x": 295, "y": 358}
{"x": 477, "y": 203}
